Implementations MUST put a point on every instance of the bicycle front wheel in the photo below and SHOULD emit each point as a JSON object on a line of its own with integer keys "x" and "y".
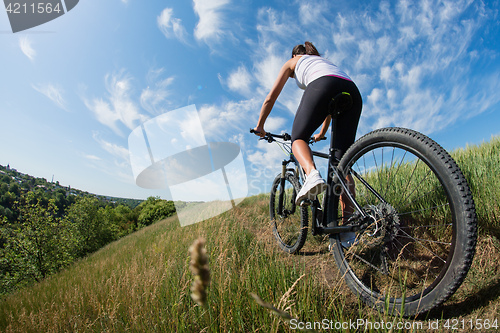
{"x": 420, "y": 232}
{"x": 289, "y": 221}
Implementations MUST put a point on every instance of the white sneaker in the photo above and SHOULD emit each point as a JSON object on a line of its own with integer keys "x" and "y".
{"x": 313, "y": 186}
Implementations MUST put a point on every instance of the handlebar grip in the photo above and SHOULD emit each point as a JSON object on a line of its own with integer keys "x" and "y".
{"x": 254, "y": 131}
{"x": 311, "y": 140}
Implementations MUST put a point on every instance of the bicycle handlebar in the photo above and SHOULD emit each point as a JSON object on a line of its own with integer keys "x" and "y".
{"x": 270, "y": 137}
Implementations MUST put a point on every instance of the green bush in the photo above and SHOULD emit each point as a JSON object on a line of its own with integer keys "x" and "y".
{"x": 153, "y": 210}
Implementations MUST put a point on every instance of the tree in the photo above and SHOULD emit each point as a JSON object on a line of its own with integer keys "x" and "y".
{"x": 123, "y": 219}
{"x": 14, "y": 188}
{"x": 39, "y": 244}
{"x": 4, "y": 188}
{"x": 91, "y": 228}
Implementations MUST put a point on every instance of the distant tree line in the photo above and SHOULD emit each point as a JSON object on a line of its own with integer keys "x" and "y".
{"x": 44, "y": 228}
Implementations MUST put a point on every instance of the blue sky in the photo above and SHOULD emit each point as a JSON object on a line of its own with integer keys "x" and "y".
{"x": 73, "y": 89}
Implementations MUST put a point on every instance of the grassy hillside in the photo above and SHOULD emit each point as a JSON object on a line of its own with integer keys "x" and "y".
{"x": 141, "y": 283}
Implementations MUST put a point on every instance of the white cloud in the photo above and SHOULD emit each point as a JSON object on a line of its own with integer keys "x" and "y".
{"x": 273, "y": 24}
{"x": 265, "y": 163}
{"x": 267, "y": 64}
{"x": 55, "y": 94}
{"x": 104, "y": 113}
{"x": 267, "y": 67}
{"x": 26, "y": 47}
{"x": 118, "y": 166}
{"x": 211, "y": 19}
{"x": 170, "y": 26}
{"x": 115, "y": 150}
{"x": 385, "y": 74}
{"x": 275, "y": 124}
{"x": 154, "y": 96}
{"x": 312, "y": 12}
{"x": 92, "y": 157}
{"x": 407, "y": 58}
{"x": 220, "y": 120}
{"x": 118, "y": 106}
{"x": 375, "y": 96}
{"x": 240, "y": 81}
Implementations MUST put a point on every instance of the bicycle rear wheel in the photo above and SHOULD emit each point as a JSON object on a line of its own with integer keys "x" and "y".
{"x": 421, "y": 231}
{"x": 289, "y": 221}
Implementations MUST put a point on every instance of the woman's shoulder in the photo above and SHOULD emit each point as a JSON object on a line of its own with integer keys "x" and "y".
{"x": 291, "y": 63}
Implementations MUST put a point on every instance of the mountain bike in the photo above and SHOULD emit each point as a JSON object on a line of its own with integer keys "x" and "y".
{"x": 399, "y": 213}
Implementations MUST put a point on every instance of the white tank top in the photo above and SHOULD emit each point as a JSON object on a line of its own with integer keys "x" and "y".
{"x": 311, "y": 67}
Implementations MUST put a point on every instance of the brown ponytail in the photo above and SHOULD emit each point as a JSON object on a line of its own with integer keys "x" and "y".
{"x": 310, "y": 49}
{"x": 306, "y": 48}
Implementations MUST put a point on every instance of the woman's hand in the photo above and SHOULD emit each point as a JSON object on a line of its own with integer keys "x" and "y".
{"x": 318, "y": 137}
{"x": 259, "y": 131}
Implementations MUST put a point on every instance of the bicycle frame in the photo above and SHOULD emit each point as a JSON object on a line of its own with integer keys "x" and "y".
{"x": 326, "y": 223}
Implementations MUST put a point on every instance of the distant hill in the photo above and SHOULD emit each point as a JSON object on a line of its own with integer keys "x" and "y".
{"x": 16, "y": 182}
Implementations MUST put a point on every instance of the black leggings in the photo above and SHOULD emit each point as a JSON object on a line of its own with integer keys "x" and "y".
{"x": 313, "y": 110}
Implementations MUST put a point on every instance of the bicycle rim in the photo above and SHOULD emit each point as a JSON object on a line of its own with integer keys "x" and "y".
{"x": 289, "y": 221}
{"x": 409, "y": 258}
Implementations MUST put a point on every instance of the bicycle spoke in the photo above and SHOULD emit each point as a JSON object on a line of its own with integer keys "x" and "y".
{"x": 431, "y": 226}
{"x": 419, "y": 198}
{"x": 416, "y": 260}
{"x": 416, "y": 188}
{"x": 363, "y": 192}
{"x": 423, "y": 210}
{"x": 411, "y": 177}
{"x": 426, "y": 240}
{"x": 407, "y": 266}
{"x": 390, "y": 173}
{"x": 426, "y": 248}
{"x": 366, "y": 262}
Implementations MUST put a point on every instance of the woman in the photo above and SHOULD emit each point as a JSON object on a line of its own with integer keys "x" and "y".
{"x": 321, "y": 80}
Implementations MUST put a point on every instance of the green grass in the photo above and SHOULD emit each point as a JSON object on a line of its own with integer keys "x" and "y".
{"x": 141, "y": 283}
{"x": 481, "y": 166}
